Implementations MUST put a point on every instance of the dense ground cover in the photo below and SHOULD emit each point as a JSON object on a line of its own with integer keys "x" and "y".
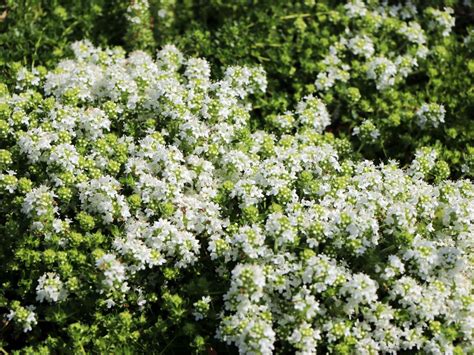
{"x": 395, "y": 76}
{"x": 159, "y": 202}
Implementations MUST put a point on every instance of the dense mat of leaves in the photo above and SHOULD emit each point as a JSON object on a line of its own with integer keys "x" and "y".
{"x": 154, "y": 206}
{"x": 146, "y": 209}
{"x": 396, "y": 76}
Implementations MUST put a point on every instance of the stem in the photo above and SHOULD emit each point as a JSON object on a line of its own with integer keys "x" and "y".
{"x": 289, "y": 17}
{"x": 168, "y": 345}
{"x": 383, "y": 148}
{"x": 388, "y": 249}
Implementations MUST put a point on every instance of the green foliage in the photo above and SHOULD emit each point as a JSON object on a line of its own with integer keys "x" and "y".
{"x": 291, "y": 40}
{"x": 39, "y": 32}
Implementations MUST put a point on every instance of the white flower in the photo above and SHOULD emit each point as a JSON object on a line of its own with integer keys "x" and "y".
{"x": 355, "y": 8}
{"x": 367, "y": 131}
{"x": 359, "y": 289}
{"x": 361, "y": 45}
{"x": 383, "y": 71}
{"x": 101, "y": 196}
{"x": 312, "y": 112}
{"x": 25, "y": 316}
{"x": 430, "y": 114}
{"x": 442, "y": 20}
{"x": 39, "y": 202}
{"x": 413, "y": 32}
{"x": 115, "y": 275}
{"x": 50, "y": 288}
{"x": 201, "y": 307}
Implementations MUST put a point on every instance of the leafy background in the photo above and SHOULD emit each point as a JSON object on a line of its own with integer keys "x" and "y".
{"x": 289, "y": 39}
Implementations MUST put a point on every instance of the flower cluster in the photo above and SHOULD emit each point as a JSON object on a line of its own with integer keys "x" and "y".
{"x": 376, "y": 60}
{"x": 430, "y": 114}
{"x": 146, "y": 187}
{"x": 50, "y": 288}
{"x": 25, "y": 316}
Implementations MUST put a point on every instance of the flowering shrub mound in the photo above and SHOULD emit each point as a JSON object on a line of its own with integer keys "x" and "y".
{"x": 143, "y": 210}
{"x": 394, "y": 74}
